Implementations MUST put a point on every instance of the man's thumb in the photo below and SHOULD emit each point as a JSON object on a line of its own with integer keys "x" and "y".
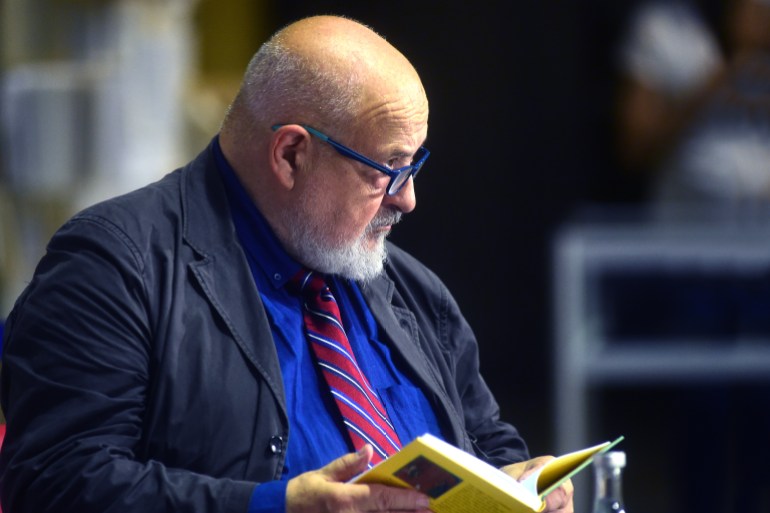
{"x": 350, "y": 465}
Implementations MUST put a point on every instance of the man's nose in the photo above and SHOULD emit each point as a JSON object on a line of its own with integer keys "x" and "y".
{"x": 404, "y": 200}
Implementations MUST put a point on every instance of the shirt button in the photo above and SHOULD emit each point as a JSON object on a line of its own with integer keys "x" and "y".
{"x": 276, "y": 445}
{"x": 277, "y": 277}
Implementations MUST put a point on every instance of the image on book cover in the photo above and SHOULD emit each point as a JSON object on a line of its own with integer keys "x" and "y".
{"x": 424, "y": 475}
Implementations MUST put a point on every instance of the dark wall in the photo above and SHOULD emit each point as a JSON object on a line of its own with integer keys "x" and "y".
{"x": 520, "y": 94}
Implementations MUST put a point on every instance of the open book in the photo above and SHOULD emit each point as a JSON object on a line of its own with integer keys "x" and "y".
{"x": 457, "y": 481}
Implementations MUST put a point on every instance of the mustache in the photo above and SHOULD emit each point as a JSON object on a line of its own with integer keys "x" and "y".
{"x": 385, "y": 217}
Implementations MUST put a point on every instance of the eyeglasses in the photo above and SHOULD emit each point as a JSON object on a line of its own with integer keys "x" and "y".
{"x": 398, "y": 177}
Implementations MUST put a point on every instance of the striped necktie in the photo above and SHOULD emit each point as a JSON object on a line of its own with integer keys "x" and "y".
{"x": 362, "y": 412}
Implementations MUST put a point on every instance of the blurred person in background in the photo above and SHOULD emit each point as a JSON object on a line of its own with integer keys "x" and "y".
{"x": 158, "y": 360}
{"x": 693, "y": 111}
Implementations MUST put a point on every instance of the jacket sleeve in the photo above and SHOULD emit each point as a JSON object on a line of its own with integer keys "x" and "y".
{"x": 75, "y": 377}
{"x": 494, "y": 440}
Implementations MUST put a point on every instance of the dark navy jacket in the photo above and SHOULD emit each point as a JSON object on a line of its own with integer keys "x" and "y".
{"x": 139, "y": 371}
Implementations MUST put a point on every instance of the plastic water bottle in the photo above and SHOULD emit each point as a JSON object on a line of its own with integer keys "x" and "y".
{"x": 608, "y": 474}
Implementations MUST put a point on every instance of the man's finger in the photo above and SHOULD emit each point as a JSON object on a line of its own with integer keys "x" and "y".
{"x": 350, "y": 465}
{"x": 387, "y": 498}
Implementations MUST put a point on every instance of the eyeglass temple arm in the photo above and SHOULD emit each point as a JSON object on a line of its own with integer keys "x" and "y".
{"x": 343, "y": 149}
{"x": 310, "y": 129}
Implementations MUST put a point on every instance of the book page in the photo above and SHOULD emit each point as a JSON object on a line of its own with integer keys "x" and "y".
{"x": 557, "y": 471}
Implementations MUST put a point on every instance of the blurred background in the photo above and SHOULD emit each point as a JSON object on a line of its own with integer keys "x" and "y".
{"x": 611, "y": 159}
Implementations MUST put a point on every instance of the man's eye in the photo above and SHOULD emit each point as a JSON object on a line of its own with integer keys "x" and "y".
{"x": 398, "y": 162}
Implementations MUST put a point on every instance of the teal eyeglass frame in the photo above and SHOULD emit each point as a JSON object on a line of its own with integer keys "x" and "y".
{"x": 398, "y": 177}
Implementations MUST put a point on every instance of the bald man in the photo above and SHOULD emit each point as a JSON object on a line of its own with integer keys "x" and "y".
{"x": 162, "y": 358}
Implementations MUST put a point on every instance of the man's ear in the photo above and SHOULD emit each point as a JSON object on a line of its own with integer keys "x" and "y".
{"x": 288, "y": 153}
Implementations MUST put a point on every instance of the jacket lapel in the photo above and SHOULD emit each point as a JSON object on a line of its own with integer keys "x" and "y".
{"x": 400, "y": 331}
{"x": 223, "y": 272}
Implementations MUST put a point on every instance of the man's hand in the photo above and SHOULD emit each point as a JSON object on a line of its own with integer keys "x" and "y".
{"x": 559, "y": 500}
{"x": 327, "y": 490}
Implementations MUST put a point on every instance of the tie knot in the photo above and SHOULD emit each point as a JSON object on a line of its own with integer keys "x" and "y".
{"x": 308, "y": 283}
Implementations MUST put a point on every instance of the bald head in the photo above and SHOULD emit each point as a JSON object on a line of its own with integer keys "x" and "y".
{"x": 348, "y": 47}
{"x": 325, "y": 71}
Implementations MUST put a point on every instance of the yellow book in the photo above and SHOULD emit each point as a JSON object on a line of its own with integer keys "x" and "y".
{"x": 459, "y": 482}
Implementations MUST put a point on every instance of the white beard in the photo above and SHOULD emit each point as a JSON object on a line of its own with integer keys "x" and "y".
{"x": 352, "y": 260}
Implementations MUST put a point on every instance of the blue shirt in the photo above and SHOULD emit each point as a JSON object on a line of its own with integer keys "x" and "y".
{"x": 316, "y": 435}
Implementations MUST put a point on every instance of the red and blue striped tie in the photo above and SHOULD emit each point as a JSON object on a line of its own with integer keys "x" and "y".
{"x": 361, "y": 409}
